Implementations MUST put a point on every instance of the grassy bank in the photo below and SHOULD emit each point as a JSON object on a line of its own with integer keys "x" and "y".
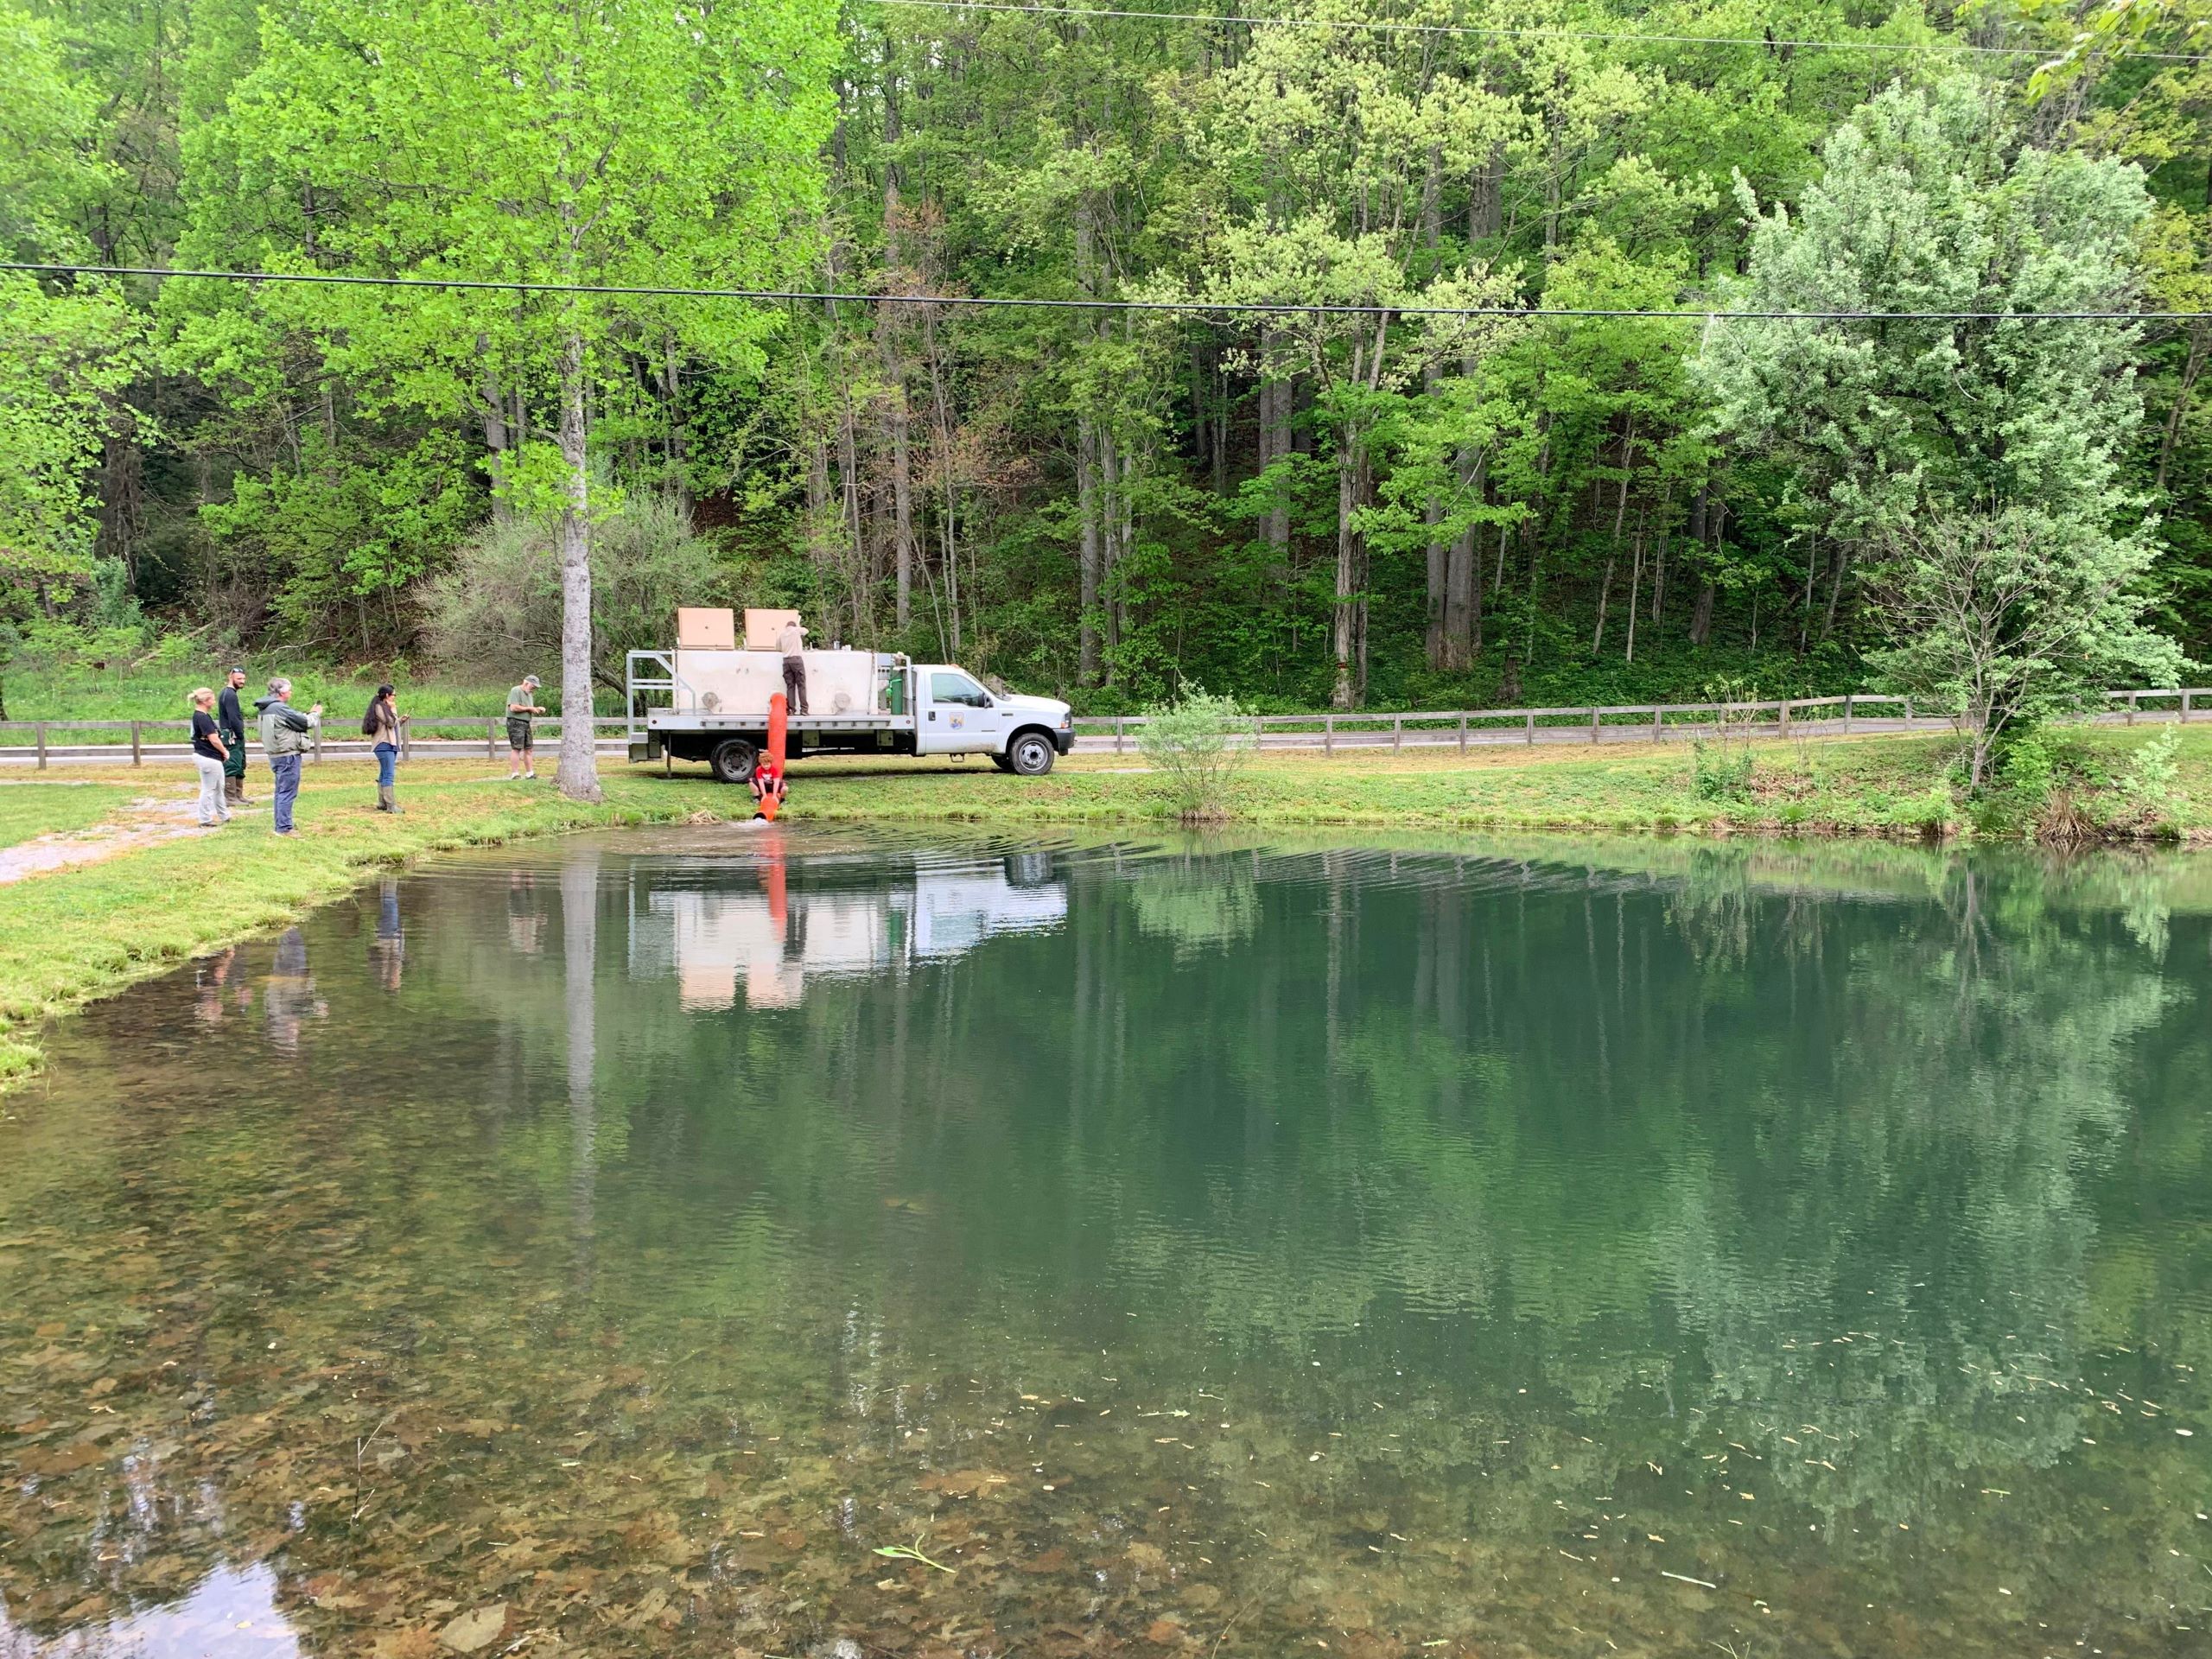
{"x": 1880, "y": 787}
{"x": 73, "y": 934}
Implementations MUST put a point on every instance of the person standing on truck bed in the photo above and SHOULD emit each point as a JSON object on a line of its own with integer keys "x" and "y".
{"x": 793, "y": 641}
{"x": 522, "y": 703}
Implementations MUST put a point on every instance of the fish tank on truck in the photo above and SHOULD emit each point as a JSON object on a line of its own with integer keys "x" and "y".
{"x": 706, "y": 698}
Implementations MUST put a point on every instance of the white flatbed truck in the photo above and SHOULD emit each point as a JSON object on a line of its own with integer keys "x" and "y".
{"x": 708, "y": 700}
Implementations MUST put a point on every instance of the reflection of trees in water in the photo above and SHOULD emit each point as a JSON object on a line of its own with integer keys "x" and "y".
{"x": 1494, "y": 1126}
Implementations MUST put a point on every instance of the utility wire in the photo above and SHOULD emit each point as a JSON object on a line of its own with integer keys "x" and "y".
{"x": 1202, "y": 308}
{"x": 1381, "y": 26}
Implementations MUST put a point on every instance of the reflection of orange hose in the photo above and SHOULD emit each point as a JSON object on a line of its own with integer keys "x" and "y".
{"x": 779, "y": 722}
{"x": 779, "y": 909}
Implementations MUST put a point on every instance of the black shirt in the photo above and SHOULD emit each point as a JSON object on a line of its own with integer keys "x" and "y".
{"x": 231, "y": 716}
{"x": 203, "y": 728}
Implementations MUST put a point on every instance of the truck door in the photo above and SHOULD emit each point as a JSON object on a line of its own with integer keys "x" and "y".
{"x": 957, "y": 715}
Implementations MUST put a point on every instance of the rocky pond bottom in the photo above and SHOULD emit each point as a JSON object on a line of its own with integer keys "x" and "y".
{"x": 720, "y": 1242}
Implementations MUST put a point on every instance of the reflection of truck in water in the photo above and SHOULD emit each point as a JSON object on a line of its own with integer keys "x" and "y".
{"x": 771, "y": 939}
{"x": 708, "y": 700}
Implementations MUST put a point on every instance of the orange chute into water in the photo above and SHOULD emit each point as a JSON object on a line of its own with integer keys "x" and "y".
{"x": 778, "y": 725}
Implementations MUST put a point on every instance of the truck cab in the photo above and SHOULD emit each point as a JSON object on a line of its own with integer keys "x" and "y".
{"x": 958, "y": 715}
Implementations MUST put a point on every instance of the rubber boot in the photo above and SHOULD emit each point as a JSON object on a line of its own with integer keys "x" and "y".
{"x": 391, "y": 794}
{"x": 384, "y": 797}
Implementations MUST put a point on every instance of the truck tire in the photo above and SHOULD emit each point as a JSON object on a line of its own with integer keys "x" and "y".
{"x": 1031, "y": 754}
{"x": 733, "y": 761}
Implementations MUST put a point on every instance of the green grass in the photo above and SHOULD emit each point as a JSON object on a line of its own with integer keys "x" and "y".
{"x": 28, "y": 810}
{"x": 1882, "y": 785}
{"x": 79, "y": 692}
{"x": 69, "y": 935}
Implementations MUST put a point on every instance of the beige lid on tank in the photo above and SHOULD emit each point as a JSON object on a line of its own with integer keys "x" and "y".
{"x": 705, "y": 627}
{"x": 764, "y": 630}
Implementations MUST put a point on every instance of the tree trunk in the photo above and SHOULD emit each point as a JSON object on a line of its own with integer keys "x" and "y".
{"x": 1086, "y": 501}
{"x": 671, "y": 382}
{"x": 2200, "y": 341}
{"x": 1343, "y": 638}
{"x": 1634, "y": 586}
{"x": 897, "y": 418}
{"x": 1275, "y": 444}
{"x": 497, "y": 440}
{"x": 579, "y": 770}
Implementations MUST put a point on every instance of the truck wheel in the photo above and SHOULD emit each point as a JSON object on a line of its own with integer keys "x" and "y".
{"x": 1031, "y": 754}
{"x": 733, "y": 761}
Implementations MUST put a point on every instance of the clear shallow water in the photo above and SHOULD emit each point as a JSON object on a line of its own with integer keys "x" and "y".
{"x": 1531, "y": 1250}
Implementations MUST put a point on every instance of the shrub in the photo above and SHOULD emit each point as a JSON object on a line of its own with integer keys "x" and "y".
{"x": 1189, "y": 743}
{"x": 2150, "y": 781}
{"x": 496, "y": 611}
{"x": 1721, "y": 769}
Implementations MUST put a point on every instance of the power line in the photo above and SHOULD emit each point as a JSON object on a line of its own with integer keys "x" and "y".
{"x": 1382, "y": 26}
{"x": 1197, "y": 307}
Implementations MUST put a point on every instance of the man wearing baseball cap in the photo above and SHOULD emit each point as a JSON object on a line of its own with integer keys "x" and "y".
{"x": 522, "y": 703}
{"x": 230, "y": 719}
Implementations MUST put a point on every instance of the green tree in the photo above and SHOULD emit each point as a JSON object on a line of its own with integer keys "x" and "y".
{"x": 596, "y": 144}
{"x": 66, "y": 350}
{"x": 1928, "y": 204}
{"x": 2011, "y": 614}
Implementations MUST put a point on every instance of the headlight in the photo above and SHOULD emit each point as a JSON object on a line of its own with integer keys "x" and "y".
{"x": 1066, "y": 720}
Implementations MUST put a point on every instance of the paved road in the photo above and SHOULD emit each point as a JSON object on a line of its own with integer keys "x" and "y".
{"x": 1486, "y": 737}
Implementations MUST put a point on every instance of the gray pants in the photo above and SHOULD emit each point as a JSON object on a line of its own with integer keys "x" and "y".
{"x": 212, "y": 809}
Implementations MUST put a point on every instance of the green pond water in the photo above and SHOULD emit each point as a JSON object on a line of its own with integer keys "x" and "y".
{"x": 613, "y": 1245}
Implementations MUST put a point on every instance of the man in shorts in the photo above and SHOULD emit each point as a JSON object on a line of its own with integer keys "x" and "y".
{"x": 522, "y": 703}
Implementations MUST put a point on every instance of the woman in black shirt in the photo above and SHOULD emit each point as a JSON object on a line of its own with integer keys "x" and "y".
{"x": 208, "y": 753}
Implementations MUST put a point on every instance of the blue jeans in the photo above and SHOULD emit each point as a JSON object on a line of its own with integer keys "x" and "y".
{"x": 387, "y": 766}
{"x": 286, "y": 770}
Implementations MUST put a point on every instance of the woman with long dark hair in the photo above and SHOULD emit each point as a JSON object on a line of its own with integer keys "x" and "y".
{"x": 381, "y": 726}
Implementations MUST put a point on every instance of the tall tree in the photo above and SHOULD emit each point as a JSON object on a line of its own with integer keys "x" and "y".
{"x": 579, "y": 144}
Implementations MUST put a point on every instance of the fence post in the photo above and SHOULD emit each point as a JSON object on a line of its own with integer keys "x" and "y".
{"x": 42, "y": 746}
{"x": 491, "y": 739}
{"x": 2134, "y": 700}
{"x": 1657, "y": 716}
{"x": 1328, "y": 733}
{"x": 1784, "y": 707}
{"x": 2185, "y": 697}
{"x": 1593, "y": 725}
{"x": 317, "y": 739}
{"x": 1397, "y": 731}
{"x": 1846, "y": 714}
{"x": 1463, "y": 731}
{"x": 1532, "y": 731}
{"x": 1257, "y": 732}
{"x": 1118, "y": 721}
{"x": 1908, "y": 714}
{"x": 137, "y": 755}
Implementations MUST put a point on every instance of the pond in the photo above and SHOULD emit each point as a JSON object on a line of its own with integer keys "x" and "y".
{"x": 1502, "y": 1249}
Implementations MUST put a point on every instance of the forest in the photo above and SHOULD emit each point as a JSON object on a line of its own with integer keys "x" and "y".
{"x": 1403, "y": 354}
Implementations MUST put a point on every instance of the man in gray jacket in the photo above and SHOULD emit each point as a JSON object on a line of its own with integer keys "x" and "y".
{"x": 284, "y": 737}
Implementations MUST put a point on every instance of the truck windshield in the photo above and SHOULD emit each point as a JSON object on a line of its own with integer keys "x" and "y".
{"x": 957, "y": 688}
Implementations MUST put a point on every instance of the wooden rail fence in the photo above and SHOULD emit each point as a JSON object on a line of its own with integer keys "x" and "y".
{"x": 1861, "y": 712}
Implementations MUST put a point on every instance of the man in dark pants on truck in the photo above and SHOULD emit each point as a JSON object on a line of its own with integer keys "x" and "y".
{"x": 230, "y": 719}
{"x": 793, "y": 641}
